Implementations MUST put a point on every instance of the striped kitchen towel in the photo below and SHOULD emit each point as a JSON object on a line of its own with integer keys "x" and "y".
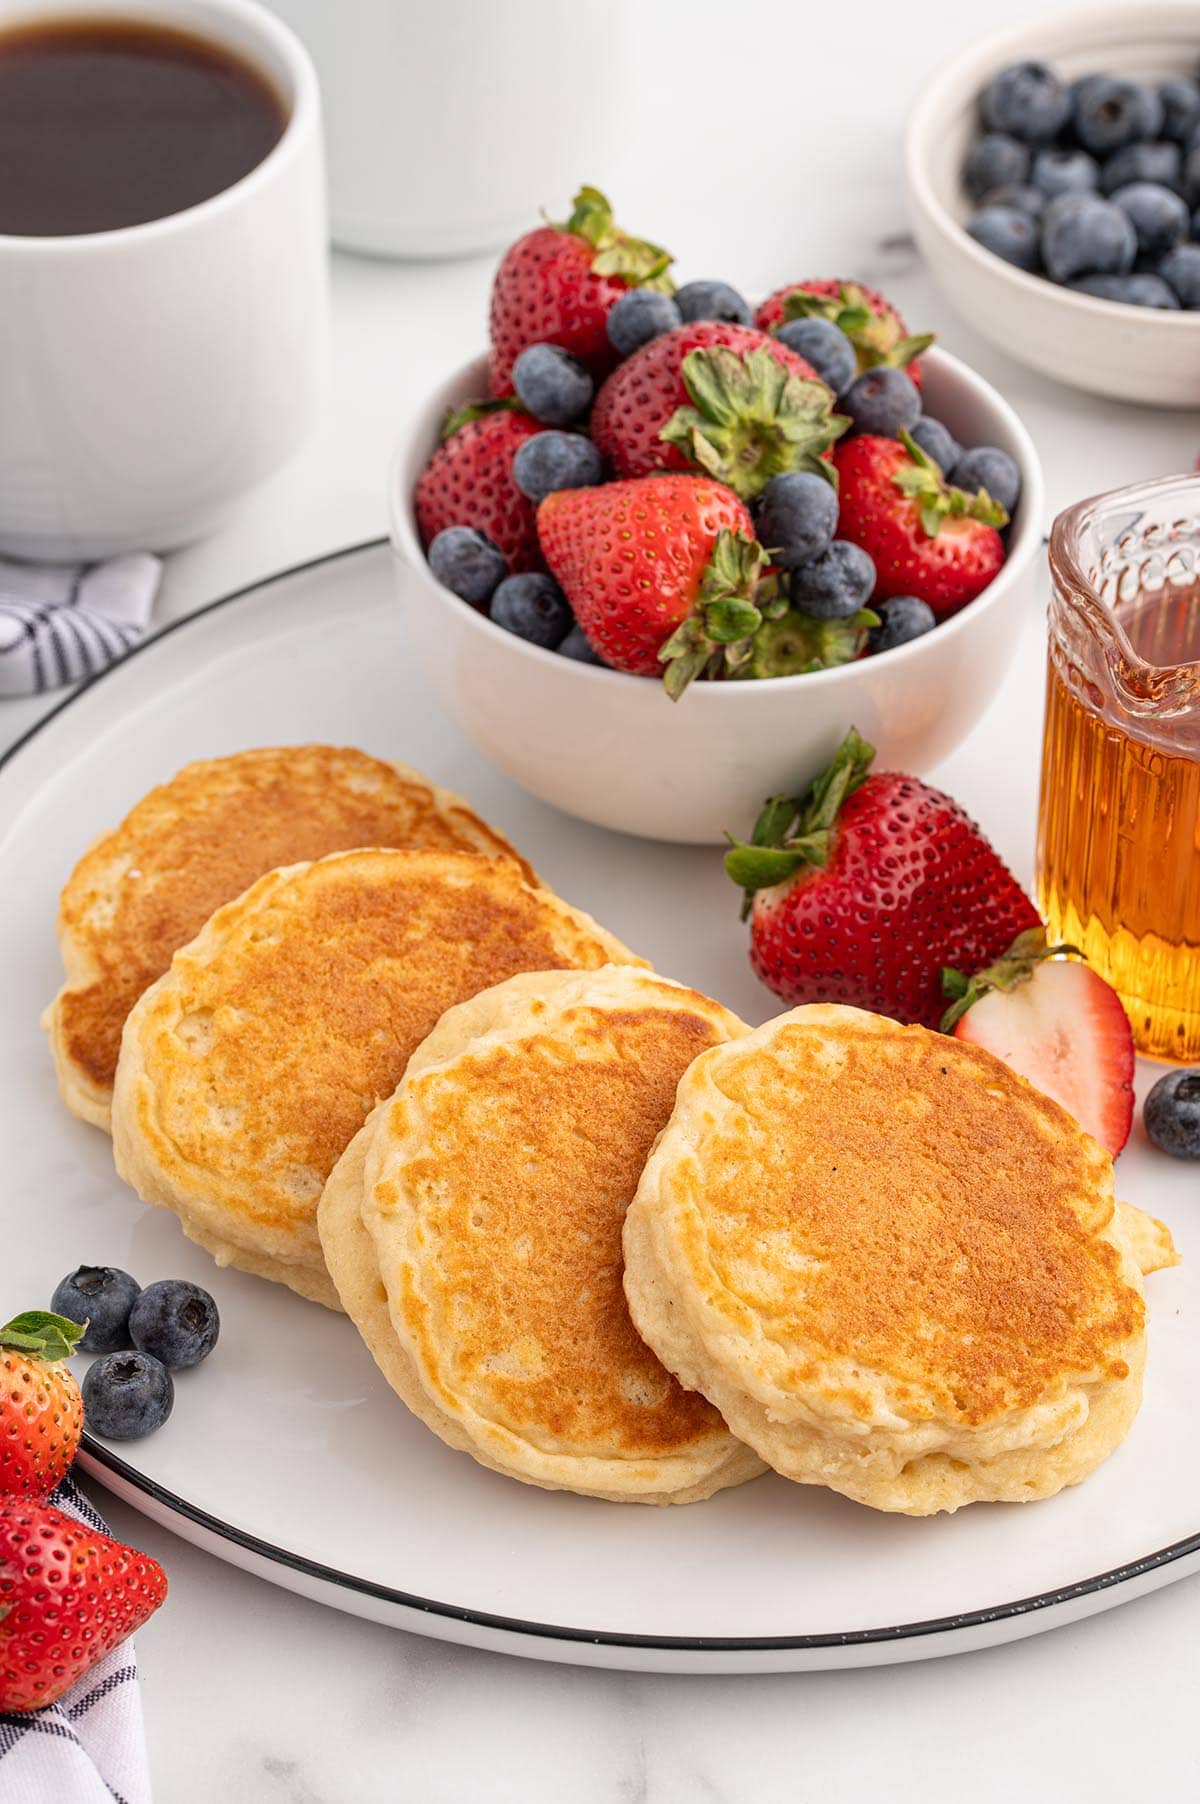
{"x": 90, "y": 1747}
{"x": 61, "y": 622}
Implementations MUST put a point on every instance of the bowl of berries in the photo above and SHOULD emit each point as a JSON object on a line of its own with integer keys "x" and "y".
{"x": 660, "y": 549}
{"x": 1054, "y": 183}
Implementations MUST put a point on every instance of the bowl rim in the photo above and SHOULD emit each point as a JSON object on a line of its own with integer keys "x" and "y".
{"x": 924, "y": 116}
{"x": 1027, "y": 538}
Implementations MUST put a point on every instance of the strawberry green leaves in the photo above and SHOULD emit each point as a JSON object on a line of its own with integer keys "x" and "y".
{"x": 794, "y": 831}
{"x": 922, "y": 481}
{"x": 42, "y": 1335}
{"x": 751, "y": 418}
{"x": 635, "y": 260}
{"x": 796, "y": 643}
{"x": 877, "y": 337}
{"x": 458, "y": 417}
{"x": 1016, "y": 967}
{"x": 718, "y": 635}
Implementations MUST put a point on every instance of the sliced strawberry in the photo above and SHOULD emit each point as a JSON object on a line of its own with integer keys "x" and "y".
{"x": 1052, "y": 1018}
{"x": 557, "y": 284}
{"x": 715, "y": 397}
{"x": 871, "y": 323}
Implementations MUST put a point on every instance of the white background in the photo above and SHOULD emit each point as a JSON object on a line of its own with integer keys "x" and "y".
{"x": 762, "y": 144}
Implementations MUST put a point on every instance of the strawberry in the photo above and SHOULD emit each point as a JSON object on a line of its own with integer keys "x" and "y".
{"x": 67, "y": 1596}
{"x": 1048, "y": 1015}
{"x": 41, "y": 1411}
{"x": 870, "y": 322}
{"x": 662, "y": 570}
{"x": 926, "y": 538}
{"x": 556, "y": 286}
{"x": 716, "y": 397}
{"x": 861, "y": 889}
{"x": 468, "y": 482}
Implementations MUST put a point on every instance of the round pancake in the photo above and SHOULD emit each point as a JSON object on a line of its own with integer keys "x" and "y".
{"x": 249, "y": 1066}
{"x": 474, "y": 1232}
{"x": 892, "y": 1264}
{"x": 147, "y": 888}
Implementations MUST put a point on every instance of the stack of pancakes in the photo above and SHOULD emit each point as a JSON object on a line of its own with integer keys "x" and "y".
{"x": 595, "y": 1232}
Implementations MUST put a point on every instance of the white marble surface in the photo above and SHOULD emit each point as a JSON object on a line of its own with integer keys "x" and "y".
{"x": 252, "y": 1693}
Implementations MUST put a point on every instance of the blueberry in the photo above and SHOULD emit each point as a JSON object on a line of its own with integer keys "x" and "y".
{"x": 883, "y": 401}
{"x": 937, "y": 442}
{"x": 176, "y": 1322}
{"x": 1008, "y": 234}
{"x": 101, "y": 1296}
{"x": 577, "y": 645}
{"x": 556, "y": 460}
{"x": 825, "y": 346}
{"x": 1058, "y": 172}
{"x": 1180, "y": 269}
{"x": 1159, "y": 217}
{"x": 533, "y": 607}
{"x": 1083, "y": 235}
{"x": 639, "y": 316}
{"x": 1142, "y": 163}
{"x": 1111, "y": 112}
{"x": 126, "y": 1396}
{"x": 467, "y": 562}
{"x": 1140, "y": 290}
{"x": 836, "y": 584}
{"x": 553, "y": 385}
{"x": 1171, "y": 1114}
{"x": 992, "y": 161}
{"x": 901, "y": 619}
{"x": 1019, "y": 195}
{"x": 1180, "y": 100}
{"x": 713, "y": 300}
{"x": 990, "y": 469}
{"x": 797, "y": 516}
{"x": 1026, "y": 99}
{"x": 1189, "y": 178}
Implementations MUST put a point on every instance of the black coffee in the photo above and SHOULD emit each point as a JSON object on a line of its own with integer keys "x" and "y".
{"x": 111, "y": 122}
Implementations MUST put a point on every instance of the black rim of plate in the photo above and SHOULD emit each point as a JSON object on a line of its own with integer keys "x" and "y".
{"x": 101, "y": 1456}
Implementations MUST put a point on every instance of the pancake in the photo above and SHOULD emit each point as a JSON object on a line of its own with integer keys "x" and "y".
{"x": 147, "y": 888}
{"x": 473, "y": 1229}
{"x": 893, "y": 1266}
{"x": 247, "y": 1069}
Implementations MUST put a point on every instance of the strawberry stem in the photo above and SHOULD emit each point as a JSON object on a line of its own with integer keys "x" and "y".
{"x": 791, "y": 832}
{"x": 876, "y": 338}
{"x": 922, "y": 481}
{"x": 752, "y": 418}
{"x": 1015, "y": 967}
{"x": 717, "y": 636}
{"x": 42, "y": 1335}
{"x": 458, "y": 417}
{"x": 635, "y": 260}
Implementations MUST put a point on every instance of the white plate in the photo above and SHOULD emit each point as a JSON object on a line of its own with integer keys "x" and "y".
{"x": 287, "y": 1454}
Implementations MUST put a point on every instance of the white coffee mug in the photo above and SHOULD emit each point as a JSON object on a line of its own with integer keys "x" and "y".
{"x": 151, "y": 376}
{"x": 449, "y": 122}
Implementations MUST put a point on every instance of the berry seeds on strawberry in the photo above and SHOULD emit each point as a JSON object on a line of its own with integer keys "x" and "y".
{"x": 864, "y": 887}
{"x": 868, "y": 320}
{"x": 68, "y": 1596}
{"x": 926, "y": 538}
{"x": 469, "y": 482}
{"x": 41, "y": 1411}
{"x": 1050, "y": 1017}
{"x": 558, "y": 283}
{"x": 716, "y": 397}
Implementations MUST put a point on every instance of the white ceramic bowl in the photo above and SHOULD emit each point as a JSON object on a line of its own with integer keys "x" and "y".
{"x": 1131, "y": 353}
{"x": 613, "y": 749}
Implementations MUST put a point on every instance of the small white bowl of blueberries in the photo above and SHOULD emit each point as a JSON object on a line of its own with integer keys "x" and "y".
{"x": 1054, "y": 179}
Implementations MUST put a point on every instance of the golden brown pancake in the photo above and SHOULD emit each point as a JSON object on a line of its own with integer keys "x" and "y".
{"x": 474, "y": 1231}
{"x": 147, "y": 888}
{"x": 249, "y": 1066}
{"x": 892, "y": 1264}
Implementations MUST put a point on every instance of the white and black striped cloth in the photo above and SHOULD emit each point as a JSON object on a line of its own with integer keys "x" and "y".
{"x": 90, "y": 1747}
{"x": 61, "y": 622}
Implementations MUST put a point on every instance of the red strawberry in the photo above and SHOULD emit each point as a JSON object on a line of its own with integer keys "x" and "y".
{"x": 41, "y": 1411}
{"x": 870, "y": 322}
{"x": 718, "y": 397}
{"x": 659, "y": 571}
{"x": 926, "y": 538}
{"x": 556, "y": 286}
{"x": 468, "y": 482}
{"x": 67, "y": 1596}
{"x": 862, "y": 888}
{"x": 1055, "y": 1020}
